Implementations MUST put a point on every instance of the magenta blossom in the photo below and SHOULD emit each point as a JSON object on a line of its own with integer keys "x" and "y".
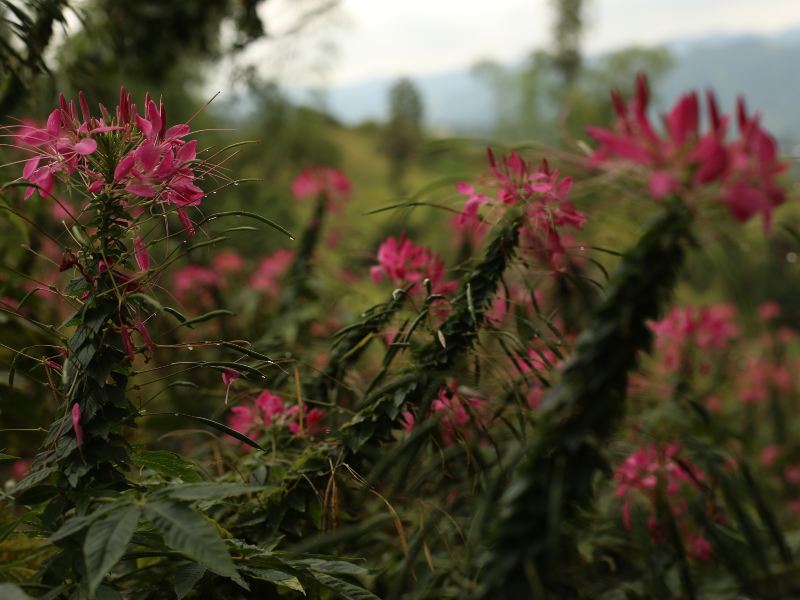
{"x": 267, "y": 277}
{"x": 159, "y": 163}
{"x": 268, "y": 410}
{"x": 542, "y": 193}
{"x": 313, "y": 181}
{"x": 684, "y": 158}
{"x": 76, "y": 424}
{"x": 653, "y": 468}
{"x": 682, "y": 329}
{"x": 403, "y": 262}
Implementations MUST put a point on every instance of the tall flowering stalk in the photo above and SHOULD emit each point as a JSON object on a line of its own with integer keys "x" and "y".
{"x": 531, "y": 550}
{"x": 133, "y": 173}
{"x": 126, "y": 168}
{"x": 526, "y": 200}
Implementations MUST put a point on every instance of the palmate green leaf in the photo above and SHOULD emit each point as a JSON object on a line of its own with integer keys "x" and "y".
{"x": 344, "y": 589}
{"x": 186, "y": 577}
{"x": 277, "y": 577}
{"x": 76, "y": 524}
{"x": 187, "y": 532}
{"x": 209, "y": 490}
{"x": 331, "y": 567}
{"x": 106, "y": 542}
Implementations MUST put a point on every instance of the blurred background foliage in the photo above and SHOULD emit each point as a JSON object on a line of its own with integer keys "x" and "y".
{"x": 172, "y": 49}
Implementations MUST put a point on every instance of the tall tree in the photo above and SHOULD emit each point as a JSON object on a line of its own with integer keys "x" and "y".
{"x": 567, "y": 33}
{"x": 403, "y": 132}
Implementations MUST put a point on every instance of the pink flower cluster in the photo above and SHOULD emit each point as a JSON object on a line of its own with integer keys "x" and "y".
{"x": 268, "y": 410}
{"x": 685, "y": 158}
{"x": 313, "y": 181}
{"x": 543, "y": 193}
{"x": 686, "y": 328}
{"x": 267, "y": 277}
{"x": 158, "y": 163}
{"x": 197, "y": 285}
{"x": 760, "y": 376}
{"x": 652, "y": 468}
{"x": 460, "y": 414}
{"x": 403, "y": 262}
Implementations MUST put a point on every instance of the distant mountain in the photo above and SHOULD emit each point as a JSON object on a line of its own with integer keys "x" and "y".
{"x": 765, "y": 68}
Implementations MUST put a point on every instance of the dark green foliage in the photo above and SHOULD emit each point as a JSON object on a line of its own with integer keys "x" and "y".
{"x": 26, "y": 30}
{"x": 531, "y": 550}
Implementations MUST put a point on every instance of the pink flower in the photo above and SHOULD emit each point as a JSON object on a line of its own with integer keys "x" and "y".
{"x": 307, "y": 424}
{"x": 270, "y": 270}
{"x": 271, "y": 406}
{"x": 769, "y": 310}
{"x": 76, "y": 424}
{"x": 313, "y": 181}
{"x": 196, "y": 284}
{"x": 686, "y": 158}
{"x": 544, "y": 195}
{"x": 229, "y": 376}
{"x": 639, "y": 476}
{"x": 19, "y": 468}
{"x": 769, "y": 454}
{"x": 242, "y": 419}
{"x": 268, "y": 410}
{"x": 699, "y": 547}
{"x": 403, "y": 262}
{"x": 460, "y": 415}
{"x": 792, "y": 474}
{"x": 228, "y": 262}
{"x": 707, "y": 328}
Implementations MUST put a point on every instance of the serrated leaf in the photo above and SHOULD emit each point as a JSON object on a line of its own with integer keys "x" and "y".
{"x": 75, "y": 524}
{"x": 343, "y": 588}
{"x": 277, "y": 577}
{"x": 106, "y": 542}
{"x": 185, "y": 531}
{"x": 186, "y": 577}
{"x": 210, "y": 490}
{"x": 331, "y": 567}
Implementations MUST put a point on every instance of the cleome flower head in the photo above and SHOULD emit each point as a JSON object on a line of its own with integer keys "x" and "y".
{"x": 401, "y": 261}
{"x": 684, "y": 157}
{"x": 126, "y": 155}
{"x": 543, "y": 194}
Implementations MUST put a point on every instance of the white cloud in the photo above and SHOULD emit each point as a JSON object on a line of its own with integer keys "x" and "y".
{"x": 388, "y": 38}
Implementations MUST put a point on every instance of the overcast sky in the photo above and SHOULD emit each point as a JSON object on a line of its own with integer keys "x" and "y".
{"x": 387, "y": 38}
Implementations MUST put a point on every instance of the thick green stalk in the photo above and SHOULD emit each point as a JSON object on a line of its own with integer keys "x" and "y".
{"x": 434, "y": 360}
{"x": 530, "y": 548}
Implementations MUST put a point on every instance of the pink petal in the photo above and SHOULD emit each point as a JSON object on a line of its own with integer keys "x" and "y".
{"x": 76, "y": 423}
{"x": 177, "y": 131}
{"x": 85, "y": 146}
{"x": 124, "y": 166}
{"x": 140, "y": 189}
{"x": 30, "y": 166}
